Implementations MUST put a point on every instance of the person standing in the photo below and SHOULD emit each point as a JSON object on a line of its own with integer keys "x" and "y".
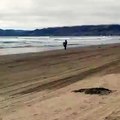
{"x": 65, "y": 44}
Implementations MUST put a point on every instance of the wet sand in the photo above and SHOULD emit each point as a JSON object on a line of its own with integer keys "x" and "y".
{"x": 38, "y": 86}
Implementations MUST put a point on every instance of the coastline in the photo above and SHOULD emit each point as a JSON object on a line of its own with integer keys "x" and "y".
{"x": 61, "y": 49}
{"x": 39, "y": 85}
{"x": 29, "y": 45}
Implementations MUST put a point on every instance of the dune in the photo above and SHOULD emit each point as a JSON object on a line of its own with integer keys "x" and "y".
{"x": 39, "y": 86}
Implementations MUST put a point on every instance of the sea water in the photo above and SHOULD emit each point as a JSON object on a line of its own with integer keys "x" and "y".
{"x": 17, "y": 45}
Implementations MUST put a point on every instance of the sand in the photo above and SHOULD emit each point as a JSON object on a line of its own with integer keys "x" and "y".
{"x": 39, "y": 86}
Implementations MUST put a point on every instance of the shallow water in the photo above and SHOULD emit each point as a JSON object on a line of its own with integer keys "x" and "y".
{"x": 15, "y": 45}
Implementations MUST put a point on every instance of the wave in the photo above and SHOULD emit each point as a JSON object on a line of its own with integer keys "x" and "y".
{"x": 15, "y": 46}
{"x": 8, "y": 42}
{"x": 38, "y": 43}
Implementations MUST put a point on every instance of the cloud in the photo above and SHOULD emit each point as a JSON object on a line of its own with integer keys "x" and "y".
{"x": 31, "y": 14}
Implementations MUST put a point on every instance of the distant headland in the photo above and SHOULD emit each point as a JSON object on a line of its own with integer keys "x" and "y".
{"x": 84, "y": 30}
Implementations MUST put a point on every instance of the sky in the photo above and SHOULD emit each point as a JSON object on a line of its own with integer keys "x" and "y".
{"x": 36, "y": 14}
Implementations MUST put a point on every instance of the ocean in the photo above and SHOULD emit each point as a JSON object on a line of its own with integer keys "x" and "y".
{"x": 17, "y": 45}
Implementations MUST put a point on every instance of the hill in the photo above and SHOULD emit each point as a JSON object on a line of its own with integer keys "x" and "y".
{"x": 85, "y": 30}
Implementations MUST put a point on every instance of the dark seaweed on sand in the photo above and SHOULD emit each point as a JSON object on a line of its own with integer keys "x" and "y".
{"x": 99, "y": 91}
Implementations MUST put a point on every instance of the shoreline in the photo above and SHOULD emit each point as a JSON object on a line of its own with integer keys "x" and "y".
{"x": 22, "y": 50}
{"x": 40, "y": 85}
{"x": 61, "y": 49}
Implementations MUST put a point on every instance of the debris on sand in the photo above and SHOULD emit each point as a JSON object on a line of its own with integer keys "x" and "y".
{"x": 112, "y": 118}
{"x": 99, "y": 91}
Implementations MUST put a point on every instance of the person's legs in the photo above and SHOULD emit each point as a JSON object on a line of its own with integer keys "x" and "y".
{"x": 65, "y": 47}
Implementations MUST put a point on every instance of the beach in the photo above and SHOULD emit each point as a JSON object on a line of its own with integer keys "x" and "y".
{"x": 39, "y": 86}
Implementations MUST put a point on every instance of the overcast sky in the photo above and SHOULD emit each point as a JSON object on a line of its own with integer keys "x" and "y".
{"x": 32, "y": 14}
